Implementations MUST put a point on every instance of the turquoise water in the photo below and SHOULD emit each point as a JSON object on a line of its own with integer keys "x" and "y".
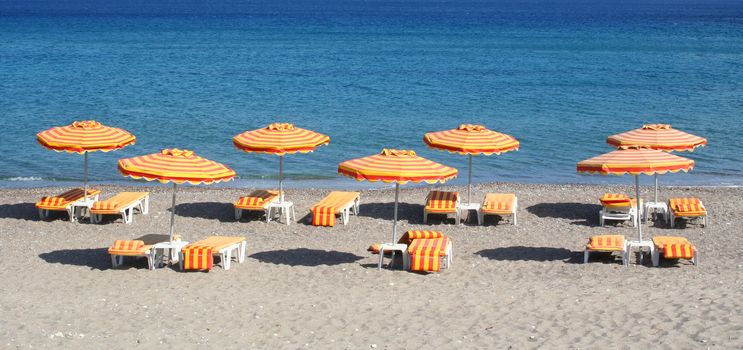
{"x": 560, "y": 76}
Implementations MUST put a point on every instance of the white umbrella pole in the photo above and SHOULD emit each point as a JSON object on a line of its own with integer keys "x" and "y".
{"x": 656, "y": 188}
{"x": 85, "y": 177}
{"x": 394, "y": 221}
{"x": 172, "y": 212}
{"x": 637, "y": 213}
{"x": 281, "y": 178}
{"x": 469, "y": 183}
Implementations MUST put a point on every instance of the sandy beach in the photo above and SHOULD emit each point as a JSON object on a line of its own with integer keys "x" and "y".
{"x": 302, "y": 286}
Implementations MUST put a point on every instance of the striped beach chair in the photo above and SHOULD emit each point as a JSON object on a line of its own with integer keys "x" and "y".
{"x": 500, "y": 204}
{"x": 687, "y": 208}
{"x": 133, "y": 248}
{"x": 194, "y": 256}
{"x": 607, "y": 243}
{"x": 674, "y": 248}
{"x": 258, "y": 200}
{"x": 122, "y": 204}
{"x": 617, "y": 206}
{"x": 64, "y": 202}
{"x": 335, "y": 203}
{"x": 442, "y": 202}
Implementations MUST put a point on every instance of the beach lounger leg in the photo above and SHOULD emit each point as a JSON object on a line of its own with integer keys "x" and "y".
{"x": 113, "y": 260}
{"x": 238, "y": 213}
{"x": 655, "y": 257}
{"x": 226, "y": 257}
{"x": 480, "y": 217}
{"x": 72, "y": 213}
{"x": 585, "y": 256}
{"x": 601, "y": 217}
{"x": 673, "y": 220}
{"x": 243, "y": 248}
{"x": 425, "y": 217}
{"x": 180, "y": 260}
{"x": 145, "y": 205}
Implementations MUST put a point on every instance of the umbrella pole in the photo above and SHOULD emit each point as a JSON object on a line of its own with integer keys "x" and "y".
{"x": 85, "y": 177}
{"x": 656, "y": 188}
{"x": 394, "y": 221}
{"x": 637, "y": 198}
{"x": 281, "y": 178}
{"x": 469, "y": 183}
{"x": 172, "y": 212}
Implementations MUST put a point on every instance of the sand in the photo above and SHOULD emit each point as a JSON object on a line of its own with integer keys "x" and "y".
{"x": 301, "y": 286}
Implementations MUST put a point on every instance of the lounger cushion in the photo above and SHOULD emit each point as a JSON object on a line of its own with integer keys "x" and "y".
{"x": 411, "y": 235}
{"x": 62, "y": 201}
{"x": 131, "y": 248}
{"x": 678, "y": 251}
{"x": 687, "y": 207}
{"x": 121, "y": 200}
{"x": 442, "y": 202}
{"x": 323, "y": 213}
{"x": 197, "y": 257}
{"x": 498, "y": 203}
{"x": 218, "y": 243}
{"x": 257, "y": 200}
{"x": 425, "y": 254}
{"x": 614, "y": 198}
{"x": 606, "y": 243}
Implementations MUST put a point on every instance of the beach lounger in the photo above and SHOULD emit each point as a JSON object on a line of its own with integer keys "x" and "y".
{"x": 64, "y": 202}
{"x": 256, "y": 201}
{"x": 674, "y": 248}
{"x": 501, "y": 204}
{"x": 607, "y": 243}
{"x": 421, "y": 250}
{"x": 199, "y": 255}
{"x": 122, "y": 204}
{"x": 687, "y": 208}
{"x": 617, "y": 206}
{"x": 142, "y": 247}
{"x": 335, "y": 203}
{"x": 441, "y": 202}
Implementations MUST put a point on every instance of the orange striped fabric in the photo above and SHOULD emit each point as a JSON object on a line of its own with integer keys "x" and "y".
{"x": 85, "y": 136}
{"x": 399, "y": 166}
{"x": 657, "y": 136}
{"x": 442, "y": 201}
{"x": 258, "y": 199}
{"x": 425, "y": 254}
{"x": 687, "y": 206}
{"x": 635, "y": 161}
{"x": 124, "y": 247}
{"x": 471, "y": 139}
{"x": 63, "y": 200}
{"x": 678, "y": 251}
{"x": 614, "y": 198}
{"x": 120, "y": 200}
{"x": 323, "y": 215}
{"x": 175, "y": 165}
{"x": 218, "y": 243}
{"x": 197, "y": 257}
{"x": 606, "y": 242}
{"x": 411, "y": 235}
{"x": 498, "y": 203}
{"x": 280, "y": 139}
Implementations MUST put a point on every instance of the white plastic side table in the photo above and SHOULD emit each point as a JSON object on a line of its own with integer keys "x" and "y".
{"x": 394, "y": 248}
{"x": 285, "y": 209}
{"x": 464, "y": 209}
{"x": 81, "y": 208}
{"x": 656, "y": 206}
{"x": 639, "y": 245}
{"x": 173, "y": 247}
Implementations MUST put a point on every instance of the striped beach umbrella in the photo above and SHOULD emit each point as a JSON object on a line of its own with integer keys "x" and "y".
{"x": 657, "y": 136}
{"x": 635, "y": 161}
{"x": 83, "y": 137}
{"x": 469, "y": 139}
{"x": 280, "y": 139}
{"x": 176, "y": 166}
{"x": 398, "y": 166}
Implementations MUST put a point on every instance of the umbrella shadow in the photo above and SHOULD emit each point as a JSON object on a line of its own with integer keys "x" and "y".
{"x": 305, "y": 257}
{"x": 579, "y": 212}
{"x": 522, "y": 253}
{"x": 413, "y": 213}
{"x": 94, "y": 258}
{"x": 20, "y": 211}
{"x": 224, "y": 212}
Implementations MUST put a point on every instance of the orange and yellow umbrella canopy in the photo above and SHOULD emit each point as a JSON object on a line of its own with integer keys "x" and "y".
{"x": 83, "y": 137}
{"x": 657, "y": 136}
{"x": 177, "y": 166}
{"x": 635, "y": 161}
{"x": 470, "y": 139}
{"x": 398, "y": 166}
{"x": 280, "y": 139}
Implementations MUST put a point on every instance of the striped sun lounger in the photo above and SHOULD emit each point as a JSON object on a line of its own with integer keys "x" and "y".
{"x": 122, "y": 204}
{"x": 225, "y": 247}
{"x": 500, "y": 204}
{"x": 441, "y": 202}
{"x": 607, "y": 243}
{"x": 256, "y": 201}
{"x": 618, "y": 206}
{"x": 335, "y": 203}
{"x": 674, "y": 248}
{"x": 687, "y": 208}
{"x": 427, "y": 249}
{"x": 135, "y": 248}
{"x": 64, "y": 202}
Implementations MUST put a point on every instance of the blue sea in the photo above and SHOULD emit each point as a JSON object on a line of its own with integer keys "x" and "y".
{"x": 560, "y": 76}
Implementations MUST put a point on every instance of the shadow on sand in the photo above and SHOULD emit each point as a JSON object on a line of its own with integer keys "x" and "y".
{"x": 305, "y": 257}
{"x": 581, "y": 213}
{"x": 98, "y": 258}
{"x": 224, "y": 212}
{"x": 412, "y": 213}
{"x": 521, "y": 253}
{"x": 24, "y": 211}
